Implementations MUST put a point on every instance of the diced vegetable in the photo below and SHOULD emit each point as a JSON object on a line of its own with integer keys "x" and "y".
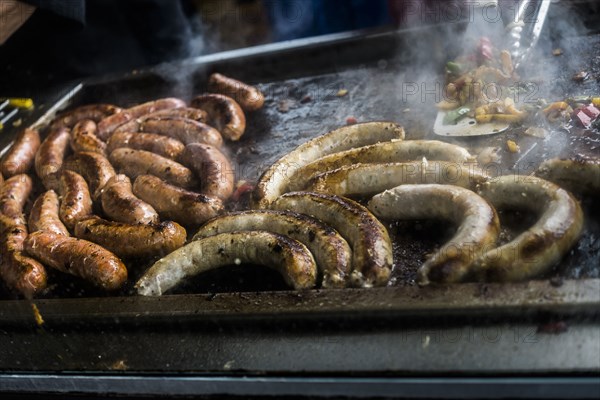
{"x": 453, "y": 116}
{"x": 581, "y": 118}
{"x": 512, "y": 146}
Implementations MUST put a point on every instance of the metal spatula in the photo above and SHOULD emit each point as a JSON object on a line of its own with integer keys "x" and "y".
{"x": 521, "y": 36}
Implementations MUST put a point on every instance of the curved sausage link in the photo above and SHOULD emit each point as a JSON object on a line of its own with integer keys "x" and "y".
{"x": 94, "y": 112}
{"x": 539, "y": 248}
{"x": 216, "y": 174}
{"x": 95, "y": 169}
{"x": 83, "y": 138}
{"x": 384, "y": 152}
{"x": 120, "y": 204}
{"x": 273, "y": 181}
{"x": 372, "y": 258}
{"x": 20, "y": 273}
{"x": 477, "y": 225}
{"x": 290, "y": 257}
{"x": 248, "y": 97}
{"x": 331, "y": 252}
{"x": 576, "y": 175}
{"x": 185, "y": 130}
{"x": 224, "y": 113}
{"x": 171, "y": 202}
{"x": 369, "y": 179}
{"x": 162, "y": 145}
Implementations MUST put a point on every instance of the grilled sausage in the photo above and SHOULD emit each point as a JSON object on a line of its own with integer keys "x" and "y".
{"x": 120, "y": 204}
{"x": 177, "y": 204}
{"x": 78, "y": 257}
{"x": 214, "y": 169}
{"x": 83, "y": 138}
{"x": 478, "y": 225}
{"x": 132, "y": 240}
{"x": 273, "y": 182}
{"x": 44, "y": 215}
{"x": 576, "y": 175}
{"x": 1, "y": 179}
{"x": 134, "y": 163}
{"x": 372, "y": 258}
{"x": 94, "y": 112}
{"x": 172, "y": 113}
{"x": 14, "y": 194}
{"x": 248, "y": 97}
{"x": 50, "y": 156}
{"x": 109, "y": 124}
{"x": 330, "y": 250}
{"x": 290, "y": 257}
{"x": 223, "y": 113}
{"x": 94, "y": 167}
{"x": 185, "y": 130}
{"x": 369, "y": 179}
{"x": 539, "y": 248}
{"x": 20, "y": 273}
{"x": 385, "y": 152}
{"x": 76, "y": 203}
{"x": 158, "y": 144}
{"x": 20, "y": 156}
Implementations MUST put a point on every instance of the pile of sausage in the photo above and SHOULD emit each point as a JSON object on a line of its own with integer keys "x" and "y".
{"x": 305, "y": 226}
{"x": 119, "y": 184}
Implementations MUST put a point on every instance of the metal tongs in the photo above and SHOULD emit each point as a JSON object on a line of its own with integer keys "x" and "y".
{"x": 521, "y": 36}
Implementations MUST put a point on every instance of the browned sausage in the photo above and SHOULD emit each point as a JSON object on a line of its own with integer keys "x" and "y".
{"x": 44, "y": 215}
{"x": 120, "y": 204}
{"x": 248, "y": 97}
{"x": 179, "y": 113}
{"x": 223, "y": 113}
{"x": 171, "y": 202}
{"x": 83, "y": 138}
{"x": 20, "y": 156}
{"x": 214, "y": 169}
{"x": 134, "y": 163}
{"x": 76, "y": 202}
{"x": 185, "y": 130}
{"x": 95, "y": 112}
{"x": 1, "y": 179}
{"x": 20, "y": 273}
{"x": 50, "y": 156}
{"x": 95, "y": 169}
{"x": 132, "y": 240}
{"x": 14, "y": 194}
{"x": 78, "y": 257}
{"x": 109, "y": 124}
{"x": 159, "y": 144}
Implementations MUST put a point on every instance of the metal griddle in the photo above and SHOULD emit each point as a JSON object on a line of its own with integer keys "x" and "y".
{"x": 241, "y": 322}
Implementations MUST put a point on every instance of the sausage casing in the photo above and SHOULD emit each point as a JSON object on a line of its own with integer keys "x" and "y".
{"x": 177, "y": 204}
{"x": 76, "y": 201}
{"x": 94, "y": 167}
{"x": 224, "y": 113}
{"x": 331, "y": 252}
{"x": 372, "y": 257}
{"x": 20, "y": 273}
{"x": 185, "y": 130}
{"x": 14, "y": 193}
{"x": 248, "y": 97}
{"x": 120, "y": 204}
{"x": 217, "y": 177}
{"x": 290, "y": 257}
{"x": 134, "y": 163}
{"x": 21, "y": 155}
{"x": 132, "y": 240}
{"x": 50, "y": 157}
{"x": 83, "y": 138}
{"x": 162, "y": 145}
{"x": 78, "y": 257}
{"x": 44, "y": 215}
